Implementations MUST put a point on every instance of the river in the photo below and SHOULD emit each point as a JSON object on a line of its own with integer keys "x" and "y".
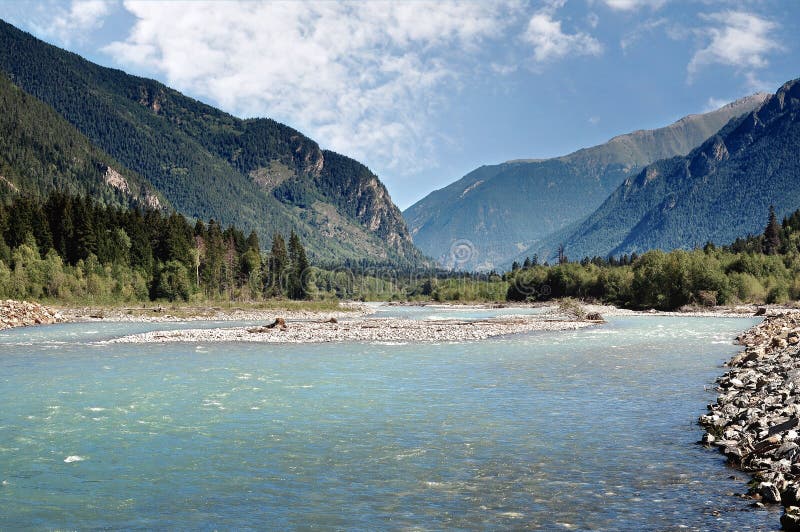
{"x": 589, "y": 429}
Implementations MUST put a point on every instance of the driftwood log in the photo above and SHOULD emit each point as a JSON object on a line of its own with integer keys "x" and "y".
{"x": 279, "y": 322}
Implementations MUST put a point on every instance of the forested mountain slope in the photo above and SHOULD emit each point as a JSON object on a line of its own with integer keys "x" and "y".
{"x": 257, "y": 174}
{"x": 504, "y": 209}
{"x": 720, "y": 191}
{"x": 40, "y": 152}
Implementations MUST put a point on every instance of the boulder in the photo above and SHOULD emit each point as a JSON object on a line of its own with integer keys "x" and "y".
{"x": 790, "y": 520}
{"x": 769, "y": 492}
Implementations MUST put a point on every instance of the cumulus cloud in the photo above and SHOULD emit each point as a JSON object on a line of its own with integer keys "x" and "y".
{"x": 737, "y": 39}
{"x": 550, "y": 42}
{"x": 360, "y": 77}
{"x": 632, "y": 5}
{"x": 73, "y": 23}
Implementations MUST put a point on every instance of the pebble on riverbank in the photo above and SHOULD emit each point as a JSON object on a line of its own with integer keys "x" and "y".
{"x": 373, "y": 330}
{"x": 756, "y": 419}
{"x": 23, "y": 314}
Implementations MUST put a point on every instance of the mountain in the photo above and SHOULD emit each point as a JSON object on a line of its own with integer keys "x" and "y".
{"x": 720, "y": 191}
{"x": 501, "y": 210}
{"x": 257, "y": 173}
{"x": 40, "y": 152}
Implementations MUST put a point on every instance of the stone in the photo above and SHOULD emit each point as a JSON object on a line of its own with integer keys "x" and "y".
{"x": 790, "y": 520}
{"x": 769, "y": 492}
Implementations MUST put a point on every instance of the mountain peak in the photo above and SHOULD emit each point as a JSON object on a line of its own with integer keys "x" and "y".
{"x": 506, "y": 208}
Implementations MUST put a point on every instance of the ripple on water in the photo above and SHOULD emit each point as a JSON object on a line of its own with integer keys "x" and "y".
{"x": 567, "y": 430}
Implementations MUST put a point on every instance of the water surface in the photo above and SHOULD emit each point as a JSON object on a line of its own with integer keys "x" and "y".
{"x": 590, "y": 429}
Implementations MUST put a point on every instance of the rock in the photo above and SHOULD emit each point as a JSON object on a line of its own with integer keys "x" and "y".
{"x": 779, "y": 342}
{"x": 769, "y": 492}
{"x": 790, "y": 520}
{"x": 786, "y": 425}
{"x": 23, "y": 314}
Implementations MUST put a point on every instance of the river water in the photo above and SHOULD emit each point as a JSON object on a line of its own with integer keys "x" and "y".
{"x": 590, "y": 429}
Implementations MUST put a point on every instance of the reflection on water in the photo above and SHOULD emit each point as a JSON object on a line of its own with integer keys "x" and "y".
{"x": 590, "y": 429}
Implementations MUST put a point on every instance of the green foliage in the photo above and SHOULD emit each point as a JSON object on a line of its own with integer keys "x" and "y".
{"x": 102, "y": 254}
{"x": 667, "y": 281}
{"x": 206, "y": 163}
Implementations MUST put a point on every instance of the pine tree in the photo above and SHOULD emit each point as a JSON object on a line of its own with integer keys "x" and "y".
{"x": 562, "y": 257}
{"x": 772, "y": 234}
{"x": 299, "y": 271}
{"x": 278, "y": 260}
{"x": 252, "y": 242}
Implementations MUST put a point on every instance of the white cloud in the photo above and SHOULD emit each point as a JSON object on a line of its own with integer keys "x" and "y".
{"x": 362, "y": 78}
{"x": 550, "y": 42}
{"x": 639, "y": 32}
{"x": 740, "y": 40}
{"x": 631, "y": 5}
{"x": 82, "y": 17}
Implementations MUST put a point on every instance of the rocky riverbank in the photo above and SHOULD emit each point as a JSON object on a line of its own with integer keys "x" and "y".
{"x": 23, "y": 314}
{"x": 756, "y": 419}
{"x": 373, "y": 330}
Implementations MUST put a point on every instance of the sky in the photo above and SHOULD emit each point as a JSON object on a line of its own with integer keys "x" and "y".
{"x": 424, "y": 92}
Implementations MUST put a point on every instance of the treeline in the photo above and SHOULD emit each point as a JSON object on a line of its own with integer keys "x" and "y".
{"x": 70, "y": 248}
{"x": 757, "y": 269}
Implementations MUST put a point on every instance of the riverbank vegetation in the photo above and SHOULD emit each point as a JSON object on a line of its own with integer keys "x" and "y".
{"x": 74, "y": 250}
{"x": 71, "y": 250}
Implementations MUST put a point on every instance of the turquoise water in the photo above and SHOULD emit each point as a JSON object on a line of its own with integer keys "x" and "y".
{"x": 591, "y": 429}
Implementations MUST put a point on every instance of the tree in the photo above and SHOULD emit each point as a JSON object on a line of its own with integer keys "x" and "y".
{"x": 772, "y": 234}
{"x": 172, "y": 282}
{"x": 562, "y": 258}
{"x": 300, "y": 269}
{"x": 278, "y": 260}
{"x": 252, "y": 242}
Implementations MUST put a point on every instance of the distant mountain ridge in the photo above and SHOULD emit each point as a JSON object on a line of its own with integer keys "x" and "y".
{"x": 720, "y": 191}
{"x": 504, "y": 209}
{"x": 257, "y": 174}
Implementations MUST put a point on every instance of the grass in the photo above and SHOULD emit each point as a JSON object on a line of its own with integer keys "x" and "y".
{"x": 208, "y": 307}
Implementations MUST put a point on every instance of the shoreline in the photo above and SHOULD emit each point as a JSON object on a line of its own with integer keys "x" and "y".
{"x": 755, "y": 421}
{"x": 350, "y": 309}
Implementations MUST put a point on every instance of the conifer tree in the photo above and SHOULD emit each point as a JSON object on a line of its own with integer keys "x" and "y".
{"x": 772, "y": 234}
{"x": 298, "y": 275}
{"x": 278, "y": 260}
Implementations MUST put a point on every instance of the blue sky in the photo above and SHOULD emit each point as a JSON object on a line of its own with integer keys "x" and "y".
{"x": 423, "y": 92}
